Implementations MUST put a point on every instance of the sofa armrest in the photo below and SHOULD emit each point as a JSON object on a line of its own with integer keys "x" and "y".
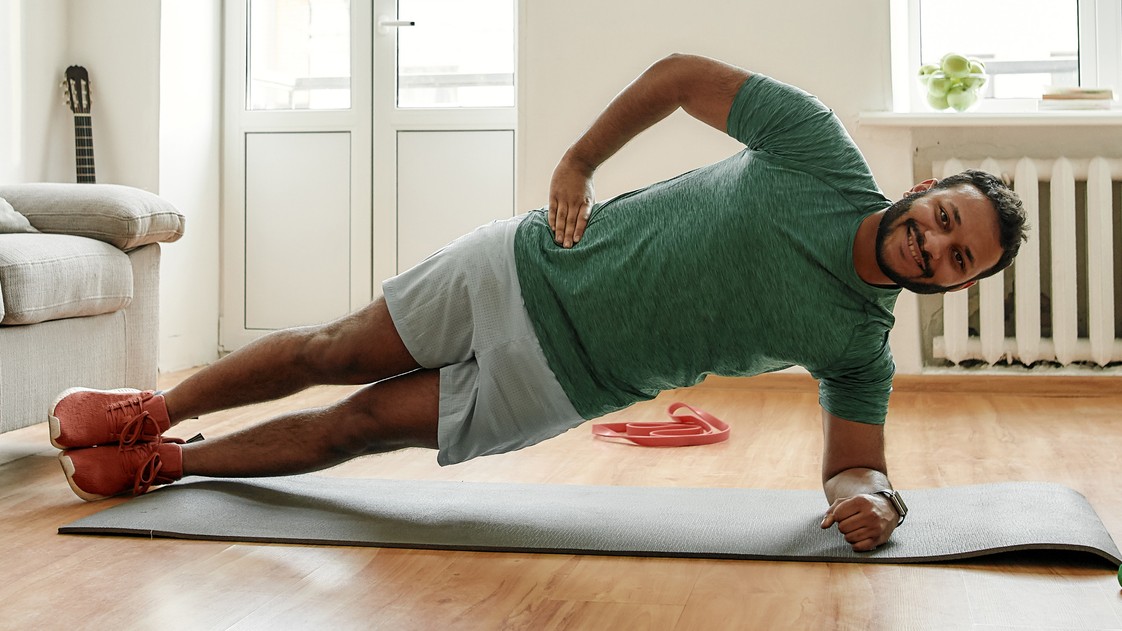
{"x": 123, "y": 216}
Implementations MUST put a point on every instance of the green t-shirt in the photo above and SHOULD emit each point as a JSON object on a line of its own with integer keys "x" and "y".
{"x": 738, "y": 268}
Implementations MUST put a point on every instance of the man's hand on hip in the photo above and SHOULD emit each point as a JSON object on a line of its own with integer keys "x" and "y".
{"x": 570, "y": 201}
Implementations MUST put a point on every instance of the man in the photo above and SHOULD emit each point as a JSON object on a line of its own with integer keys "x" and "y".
{"x": 784, "y": 254}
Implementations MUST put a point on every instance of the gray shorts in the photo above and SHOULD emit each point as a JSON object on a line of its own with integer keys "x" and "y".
{"x": 461, "y": 310}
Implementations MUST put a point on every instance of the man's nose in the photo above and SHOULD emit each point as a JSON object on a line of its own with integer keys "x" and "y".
{"x": 935, "y": 243}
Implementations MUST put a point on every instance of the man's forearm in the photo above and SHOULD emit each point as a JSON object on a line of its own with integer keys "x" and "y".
{"x": 853, "y": 470}
{"x": 647, "y": 100}
{"x": 703, "y": 87}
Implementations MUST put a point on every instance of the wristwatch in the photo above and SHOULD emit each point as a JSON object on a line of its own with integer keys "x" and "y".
{"x": 897, "y": 503}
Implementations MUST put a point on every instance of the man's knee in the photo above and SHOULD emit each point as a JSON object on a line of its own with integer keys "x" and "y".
{"x": 360, "y": 348}
{"x": 392, "y": 414}
{"x": 326, "y": 350}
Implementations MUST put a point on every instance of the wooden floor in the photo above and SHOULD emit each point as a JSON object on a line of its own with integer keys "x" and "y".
{"x": 941, "y": 432}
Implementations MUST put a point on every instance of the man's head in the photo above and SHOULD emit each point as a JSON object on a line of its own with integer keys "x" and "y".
{"x": 946, "y": 235}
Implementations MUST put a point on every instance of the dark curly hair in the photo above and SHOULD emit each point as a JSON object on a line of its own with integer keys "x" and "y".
{"x": 1011, "y": 218}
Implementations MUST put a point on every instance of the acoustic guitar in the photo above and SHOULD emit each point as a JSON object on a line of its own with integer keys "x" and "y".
{"x": 77, "y": 88}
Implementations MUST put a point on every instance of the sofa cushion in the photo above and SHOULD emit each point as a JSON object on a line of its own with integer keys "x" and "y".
{"x": 124, "y": 216}
{"x": 53, "y": 276}
{"x": 11, "y": 221}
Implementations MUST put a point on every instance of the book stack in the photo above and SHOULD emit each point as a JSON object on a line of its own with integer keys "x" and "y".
{"x": 1070, "y": 98}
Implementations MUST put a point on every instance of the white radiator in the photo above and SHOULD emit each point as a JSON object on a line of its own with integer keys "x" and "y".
{"x": 1078, "y": 334}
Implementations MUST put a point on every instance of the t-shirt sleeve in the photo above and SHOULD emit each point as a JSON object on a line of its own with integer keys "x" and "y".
{"x": 768, "y": 114}
{"x": 859, "y": 391}
{"x": 792, "y": 125}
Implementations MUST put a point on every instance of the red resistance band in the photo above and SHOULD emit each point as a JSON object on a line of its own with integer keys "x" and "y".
{"x": 689, "y": 426}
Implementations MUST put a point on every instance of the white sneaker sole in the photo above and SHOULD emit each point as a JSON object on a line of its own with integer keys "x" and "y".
{"x": 68, "y": 469}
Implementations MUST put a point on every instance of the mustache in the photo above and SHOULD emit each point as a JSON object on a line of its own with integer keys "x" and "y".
{"x": 913, "y": 229}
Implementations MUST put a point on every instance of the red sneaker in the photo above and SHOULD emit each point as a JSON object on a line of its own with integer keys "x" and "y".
{"x": 95, "y": 473}
{"x": 82, "y": 417}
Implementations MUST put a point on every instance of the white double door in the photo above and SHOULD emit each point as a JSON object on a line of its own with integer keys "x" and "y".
{"x": 392, "y": 133}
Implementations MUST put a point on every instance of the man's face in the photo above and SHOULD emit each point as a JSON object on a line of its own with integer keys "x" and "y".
{"x": 934, "y": 241}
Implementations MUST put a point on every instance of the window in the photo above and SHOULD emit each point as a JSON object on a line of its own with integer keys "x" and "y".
{"x": 457, "y": 54}
{"x": 299, "y": 55}
{"x": 1027, "y": 46}
{"x": 1023, "y": 50}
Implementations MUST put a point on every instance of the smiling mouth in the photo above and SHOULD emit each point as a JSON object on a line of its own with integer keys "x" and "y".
{"x": 913, "y": 249}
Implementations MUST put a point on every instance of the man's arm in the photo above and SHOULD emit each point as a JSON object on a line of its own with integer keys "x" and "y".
{"x": 703, "y": 87}
{"x": 853, "y": 470}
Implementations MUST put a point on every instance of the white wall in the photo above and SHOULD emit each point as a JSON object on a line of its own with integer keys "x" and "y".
{"x": 190, "y": 135}
{"x": 11, "y": 75}
{"x": 576, "y": 55}
{"x": 118, "y": 42}
{"x": 115, "y": 41}
{"x": 36, "y": 129}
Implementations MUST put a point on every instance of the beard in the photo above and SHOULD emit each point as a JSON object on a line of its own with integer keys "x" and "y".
{"x": 893, "y": 216}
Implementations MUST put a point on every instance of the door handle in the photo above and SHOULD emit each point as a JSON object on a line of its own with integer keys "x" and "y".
{"x": 385, "y": 24}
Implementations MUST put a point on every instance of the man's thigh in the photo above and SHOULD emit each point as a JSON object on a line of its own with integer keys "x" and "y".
{"x": 361, "y": 347}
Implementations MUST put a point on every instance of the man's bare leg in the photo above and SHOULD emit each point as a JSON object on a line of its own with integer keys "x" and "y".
{"x": 362, "y": 347}
{"x": 389, "y": 415}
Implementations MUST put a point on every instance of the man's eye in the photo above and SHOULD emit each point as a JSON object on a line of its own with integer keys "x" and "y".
{"x": 960, "y": 261}
{"x": 943, "y": 217}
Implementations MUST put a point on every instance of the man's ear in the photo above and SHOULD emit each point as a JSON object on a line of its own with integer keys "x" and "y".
{"x": 922, "y": 186}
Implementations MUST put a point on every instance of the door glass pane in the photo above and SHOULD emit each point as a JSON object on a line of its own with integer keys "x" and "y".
{"x": 1026, "y": 45}
{"x": 299, "y": 55}
{"x": 458, "y": 54}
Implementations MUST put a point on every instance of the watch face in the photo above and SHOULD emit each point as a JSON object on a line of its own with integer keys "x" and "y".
{"x": 897, "y": 502}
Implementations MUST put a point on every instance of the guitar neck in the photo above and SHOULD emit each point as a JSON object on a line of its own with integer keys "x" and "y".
{"x": 83, "y": 148}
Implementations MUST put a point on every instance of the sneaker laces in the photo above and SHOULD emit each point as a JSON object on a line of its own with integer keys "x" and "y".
{"x": 148, "y": 470}
{"x": 134, "y": 419}
{"x": 146, "y": 473}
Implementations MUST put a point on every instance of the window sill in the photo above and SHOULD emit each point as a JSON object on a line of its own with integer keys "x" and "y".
{"x": 1056, "y": 118}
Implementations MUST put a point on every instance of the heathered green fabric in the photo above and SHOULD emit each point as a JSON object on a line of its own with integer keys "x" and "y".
{"x": 738, "y": 268}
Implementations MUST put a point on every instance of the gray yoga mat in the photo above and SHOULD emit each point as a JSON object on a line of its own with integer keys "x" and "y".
{"x": 944, "y": 523}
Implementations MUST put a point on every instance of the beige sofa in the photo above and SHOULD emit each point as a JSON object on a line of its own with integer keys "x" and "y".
{"x": 79, "y": 276}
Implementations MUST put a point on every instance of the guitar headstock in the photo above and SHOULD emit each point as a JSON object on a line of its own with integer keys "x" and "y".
{"x": 77, "y": 88}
